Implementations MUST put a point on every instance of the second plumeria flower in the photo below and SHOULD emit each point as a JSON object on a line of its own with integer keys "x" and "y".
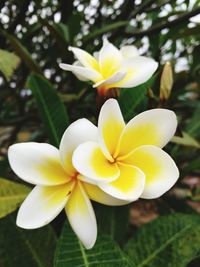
{"x": 111, "y": 67}
{"x": 128, "y": 161}
{"x": 58, "y": 183}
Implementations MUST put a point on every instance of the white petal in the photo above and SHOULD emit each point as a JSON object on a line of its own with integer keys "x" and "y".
{"x": 110, "y": 125}
{"x": 160, "y": 170}
{"x": 116, "y": 77}
{"x": 152, "y": 127}
{"x": 42, "y": 205}
{"x": 96, "y": 55}
{"x": 98, "y": 195}
{"x": 89, "y": 160}
{"x": 81, "y": 216}
{"x": 78, "y": 132}
{"x": 85, "y": 58}
{"x": 139, "y": 70}
{"x": 129, "y": 51}
{"x": 110, "y": 59}
{"x": 37, "y": 163}
{"x": 88, "y": 74}
{"x": 129, "y": 186}
{"x": 81, "y": 78}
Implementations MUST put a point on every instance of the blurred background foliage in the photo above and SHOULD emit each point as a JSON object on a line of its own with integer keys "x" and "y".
{"x": 38, "y": 100}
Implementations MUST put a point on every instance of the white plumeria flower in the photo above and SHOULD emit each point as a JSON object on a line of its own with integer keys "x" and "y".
{"x": 58, "y": 184}
{"x": 111, "y": 67}
{"x": 128, "y": 161}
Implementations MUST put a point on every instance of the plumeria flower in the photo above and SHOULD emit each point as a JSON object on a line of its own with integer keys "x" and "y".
{"x": 111, "y": 67}
{"x": 128, "y": 162}
{"x": 58, "y": 183}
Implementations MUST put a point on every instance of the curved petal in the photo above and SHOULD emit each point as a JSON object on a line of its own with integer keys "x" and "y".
{"x": 110, "y": 59}
{"x": 110, "y": 125}
{"x": 160, "y": 170}
{"x": 87, "y": 73}
{"x": 129, "y": 186}
{"x": 78, "y": 132}
{"x": 98, "y": 195}
{"x": 89, "y": 160}
{"x": 85, "y": 58}
{"x": 42, "y": 205}
{"x": 81, "y": 216}
{"x": 152, "y": 127}
{"x": 80, "y": 77}
{"x": 37, "y": 163}
{"x": 129, "y": 51}
{"x": 116, "y": 77}
{"x": 96, "y": 55}
{"x": 139, "y": 70}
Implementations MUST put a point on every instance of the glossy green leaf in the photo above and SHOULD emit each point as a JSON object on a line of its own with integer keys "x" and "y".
{"x": 11, "y": 196}
{"x": 168, "y": 241}
{"x": 106, "y": 253}
{"x": 8, "y": 63}
{"x": 25, "y": 248}
{"x": 133, "y": 100}
{"x": 51, "y": 108}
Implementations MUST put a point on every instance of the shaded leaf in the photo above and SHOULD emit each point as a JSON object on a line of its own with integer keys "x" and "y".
{"x": 11, "y": 196}
{"x": 193, "y": 127}
{"x": 168, "y": 241}
{"x": 52, "y": 109}
{"x": 25, "y": 248}
{"x": 113, "y": 221}
{"x": 8, "y": 63}
{"x": 106, "y": 253}
{"x": 59, "y": 32}
{"x": 131, "y": 99}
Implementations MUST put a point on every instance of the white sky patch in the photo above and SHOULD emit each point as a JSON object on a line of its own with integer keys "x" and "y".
{"x": 195, "y": 19}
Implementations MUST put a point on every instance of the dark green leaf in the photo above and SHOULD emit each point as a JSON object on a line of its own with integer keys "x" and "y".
{"x": 25, "y": 248}
{"x": 113, "y": 221}
{"x": 132, "y": 99}
{"x": 193, "y": 126}
{"x": 71, "y": 253}
{"x": 52, "y": 109}
{"x": 168, "y": 241}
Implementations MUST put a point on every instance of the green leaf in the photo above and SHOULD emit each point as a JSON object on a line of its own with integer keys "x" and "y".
{"x": 113, "y": 221}
{"x": 8, "y": 63}
{"x": 106, "y": 253}
{"x": 193, "y": 127}
{"x": 22, "y": 52}
{"x": 25, "y": 248}
{"x": 186, "y": 140}
{"x": 105, "y": 29}
{"x": 168, "y": 241}
{"x": 52, "y": 109}
{"x": 131, "y": 99}
{"x": 11, "y": 196}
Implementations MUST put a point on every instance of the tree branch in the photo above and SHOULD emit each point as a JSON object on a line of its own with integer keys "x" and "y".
{"x": 163, "y": 25}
